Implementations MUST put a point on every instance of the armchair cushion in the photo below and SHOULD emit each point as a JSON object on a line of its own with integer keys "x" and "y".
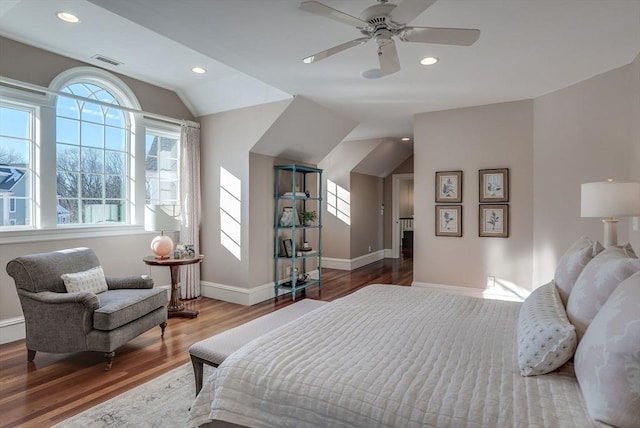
{"x": 91, "y": 280}
{"x": 120, "y": 307}
{"x": 142, "y": 281}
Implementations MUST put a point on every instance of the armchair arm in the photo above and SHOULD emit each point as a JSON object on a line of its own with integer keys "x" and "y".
{"x": 143, "y": 281}
{"x": 89, "y": 300}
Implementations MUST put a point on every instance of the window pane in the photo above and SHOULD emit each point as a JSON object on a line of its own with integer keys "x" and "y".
{"x": 92, "y": 135}
{"x": 14, "y": 211}
{"x": 78, "y": 89}
{"x": 92, "y": 160}
{"x": 114, "y": 211}
{"x": 115, "y": 138}
{"x": 92, "y": 113}
{"x": 114, "y": 186}
{"x": 151, "y": 142}
{"x": 169, "y": 147}
{"x": 14, "y": 181}
{"x": 68, "y": 211}
{"x": 92, "y": 210}
{"x": 67, "y": 157}
{"x": 115, "y": 118}
{"x": 14, "y": 152}
{"x": 14, "y": 123}
{"x": 67, "y": 107}
{"x": 105, "y": 97}
{"x": 67, "y": 131}
{"x": 67, "y": 184}
{"x": 115, "y": 162}
{"x": 92, "y": 185}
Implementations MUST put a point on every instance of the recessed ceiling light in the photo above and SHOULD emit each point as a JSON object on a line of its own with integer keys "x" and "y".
{"x": 68, "y": 17}
{"x": 406, "y": 139}
{"x": 198, "y": 70}
{"x": 430, "y": 60}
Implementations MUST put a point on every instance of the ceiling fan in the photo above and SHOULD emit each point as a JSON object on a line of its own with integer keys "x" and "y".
{"x": 382, "y": 22}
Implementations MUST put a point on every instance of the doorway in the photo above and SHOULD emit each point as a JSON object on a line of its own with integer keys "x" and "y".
{"x": 402, "y": 215}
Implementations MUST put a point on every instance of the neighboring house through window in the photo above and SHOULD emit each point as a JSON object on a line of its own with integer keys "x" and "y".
{"x": 161, "y": 165}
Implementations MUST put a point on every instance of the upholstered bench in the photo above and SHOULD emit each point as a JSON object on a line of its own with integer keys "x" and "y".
{"x": 214, "y": 350}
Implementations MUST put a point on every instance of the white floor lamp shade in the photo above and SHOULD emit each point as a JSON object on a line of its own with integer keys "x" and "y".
{"x": 608, "y": 200}
{"x": 162, "y": 218}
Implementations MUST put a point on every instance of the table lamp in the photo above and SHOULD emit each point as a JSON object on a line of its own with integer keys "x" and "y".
{"x": 610, "y": 199}
{"x": 162, "y": 218}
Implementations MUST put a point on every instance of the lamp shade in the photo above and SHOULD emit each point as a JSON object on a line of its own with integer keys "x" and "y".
{"x": 610, "y": 199}
{"x": 161, "y": 218}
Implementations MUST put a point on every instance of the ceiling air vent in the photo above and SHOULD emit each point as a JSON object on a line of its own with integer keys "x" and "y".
{"x": 107, "y": 60}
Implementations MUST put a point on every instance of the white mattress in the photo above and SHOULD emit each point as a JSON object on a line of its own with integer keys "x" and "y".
{"x": 391, "y": 356}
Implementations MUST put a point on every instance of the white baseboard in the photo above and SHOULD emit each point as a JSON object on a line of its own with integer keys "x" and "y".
{"x": 351, "y": 264}
{"x": 242, "y": 296}
{"x": 388, "y": 253}
{"x": 12, "y": 329}
{"x": 484, "y": 293}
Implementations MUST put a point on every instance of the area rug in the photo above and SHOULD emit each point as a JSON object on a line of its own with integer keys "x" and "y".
{"x": 161, "y": 402}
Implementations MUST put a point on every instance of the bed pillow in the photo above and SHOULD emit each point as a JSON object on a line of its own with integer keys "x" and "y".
{"x": 546, "y": 338}
{"x": 607, "y": 361}
{"x": 91, "y": 280}
{"x": 572, "y": 263}
{"x": 596, "y": 283}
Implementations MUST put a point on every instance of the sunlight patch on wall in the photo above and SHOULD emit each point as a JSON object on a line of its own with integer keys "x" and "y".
{"x": 339, "y": 202}
{"x": 230, "y": 212}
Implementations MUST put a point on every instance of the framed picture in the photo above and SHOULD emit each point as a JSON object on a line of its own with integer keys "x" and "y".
{"x": 494, "y": 221}
{"x": 287, "y": 245}
{"x": 494, "y": 185}
{"x": 448, "y": 186}
{"x": 289, "y": 217}
{"x": 448, "y": 220}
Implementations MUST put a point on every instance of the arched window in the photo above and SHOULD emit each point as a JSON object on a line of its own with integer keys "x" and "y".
{"x": 93, "y": 146}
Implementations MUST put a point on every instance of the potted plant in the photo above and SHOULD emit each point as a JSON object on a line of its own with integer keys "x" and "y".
{"x": 308, "y": 217}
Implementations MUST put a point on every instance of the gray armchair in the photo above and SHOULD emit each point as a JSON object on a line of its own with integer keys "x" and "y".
{"x": 57, "y": 321}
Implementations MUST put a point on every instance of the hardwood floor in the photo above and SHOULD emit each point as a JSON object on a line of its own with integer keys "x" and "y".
{"x": 57, "y": 386}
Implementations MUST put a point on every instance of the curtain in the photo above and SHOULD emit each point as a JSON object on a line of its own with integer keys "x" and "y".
{"x": 190, "y": 204}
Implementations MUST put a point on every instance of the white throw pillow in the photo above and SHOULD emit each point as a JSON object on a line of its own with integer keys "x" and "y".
{"x": 546, "y": 338}
{"x": 596, "y": 283}
{"x": 572, "y": 263}
{"x": 607, "y": 361}
{"x": 91, "y": 280}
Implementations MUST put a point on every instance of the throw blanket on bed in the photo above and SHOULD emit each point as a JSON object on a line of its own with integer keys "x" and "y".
{"x": 391, "y": 356}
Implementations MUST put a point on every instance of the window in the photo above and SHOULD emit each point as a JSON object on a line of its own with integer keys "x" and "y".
{"x": 92, "y": 157}
{"x": 161, "y": 167}
{"x": 17, "y": 147}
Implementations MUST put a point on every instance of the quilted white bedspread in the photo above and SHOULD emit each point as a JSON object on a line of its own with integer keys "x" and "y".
{"x": 391, "y": 356}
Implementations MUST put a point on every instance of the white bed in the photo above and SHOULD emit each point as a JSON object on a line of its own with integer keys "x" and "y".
{"x": 391, "y": 356}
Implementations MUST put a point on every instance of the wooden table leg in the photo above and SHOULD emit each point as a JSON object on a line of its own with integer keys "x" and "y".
{"x": 175, "y": 307}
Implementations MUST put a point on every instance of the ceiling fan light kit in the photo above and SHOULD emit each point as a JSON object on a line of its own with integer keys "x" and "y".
{"x": 384, "y": 21}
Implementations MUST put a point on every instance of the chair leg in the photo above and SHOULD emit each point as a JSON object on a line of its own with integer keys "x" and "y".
{"x": 31, "y": 355}
{"x": 109, "y": 357}
{"x": 163, "y": 326}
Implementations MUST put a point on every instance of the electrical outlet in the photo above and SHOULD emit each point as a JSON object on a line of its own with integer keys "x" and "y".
{"x": 369, "y": 248}
{"x": 491, "y": 281}
{"x": 635, "y": 223}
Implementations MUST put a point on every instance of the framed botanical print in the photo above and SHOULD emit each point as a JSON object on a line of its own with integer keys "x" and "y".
{"x": 448, "y": 186}
{"x": 494, "y": 221}
{"x": 494, "y": 185}
{"x": 448, "y": 220}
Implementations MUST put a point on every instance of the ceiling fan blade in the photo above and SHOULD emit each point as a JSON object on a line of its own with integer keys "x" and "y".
{"x": 334, "y": 50}
{"x": 388, "y": 57}
{"x": 443, "y": 36}
{"x": 329, "y": 12}
{"x": 408, "y": 10}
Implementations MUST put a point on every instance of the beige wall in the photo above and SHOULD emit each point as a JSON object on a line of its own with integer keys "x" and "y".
{"x": 366, "y": 219}
{"x": 29, "y": 64}
{"x": 470, "y": 139}
{"x": 226, "y": 140}
{"x": 405, "y": 168}
{"x": 584, "y": 133}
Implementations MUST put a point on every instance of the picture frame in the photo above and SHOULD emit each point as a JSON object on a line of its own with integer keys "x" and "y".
{"x": 448, "y": 186}
{"x": 493, "y": 185}
{"x": 287, "y": 245}
{"x": 449, "y": 220}
{"x": 494, "y": 221}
